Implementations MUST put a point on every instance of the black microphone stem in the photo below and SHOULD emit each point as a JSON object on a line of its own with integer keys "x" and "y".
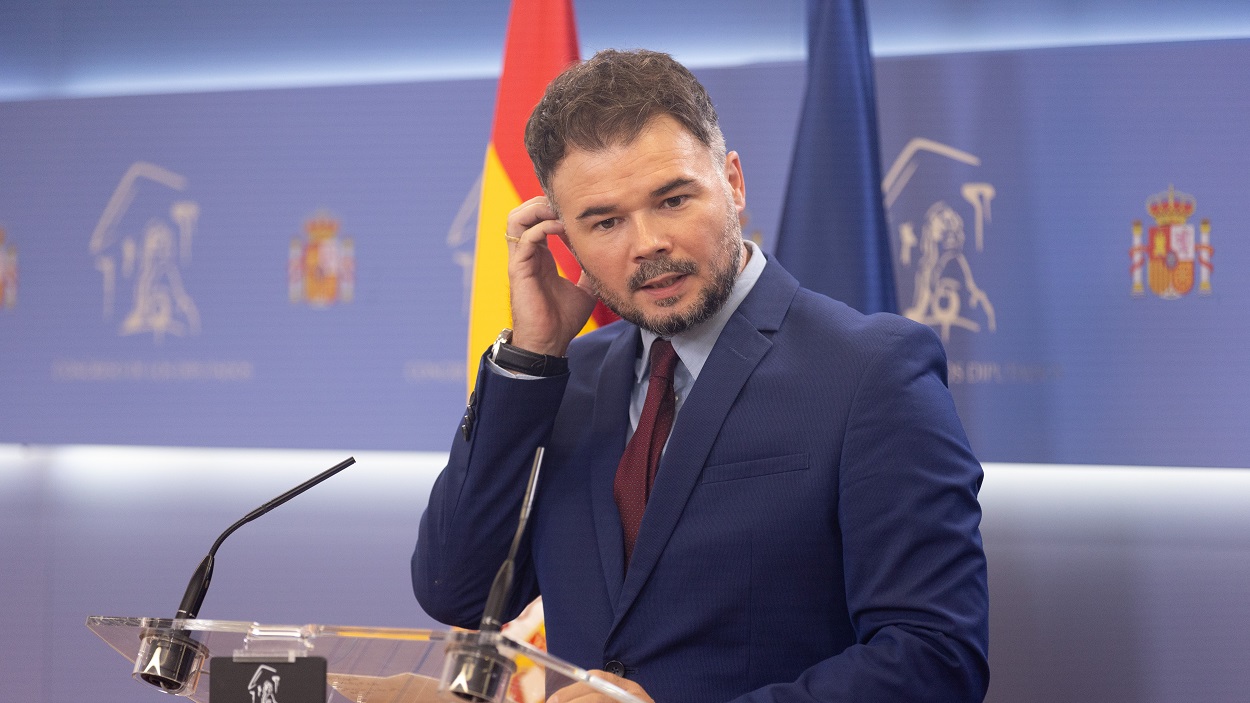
{"x": 501, "y": 589}
{"x": 189, "y": 608}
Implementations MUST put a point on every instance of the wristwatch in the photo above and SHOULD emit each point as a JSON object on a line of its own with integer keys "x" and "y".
{"x": 523, "y": 361}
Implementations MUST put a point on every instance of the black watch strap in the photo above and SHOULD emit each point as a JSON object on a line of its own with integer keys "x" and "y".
{"x": 527, "y": 362}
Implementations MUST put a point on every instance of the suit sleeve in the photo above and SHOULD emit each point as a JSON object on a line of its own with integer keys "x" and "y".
{"x": 915, "y": 570}
{"x": 475, "y": 503}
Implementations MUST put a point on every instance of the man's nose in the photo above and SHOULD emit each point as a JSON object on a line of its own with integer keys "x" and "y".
{"x": 651, "y": 237}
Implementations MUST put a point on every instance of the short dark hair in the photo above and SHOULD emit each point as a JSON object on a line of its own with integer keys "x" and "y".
{"x": 609, "y": 99}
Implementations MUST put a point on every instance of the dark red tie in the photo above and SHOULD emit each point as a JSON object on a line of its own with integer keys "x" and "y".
{"x": 636, "y": 472}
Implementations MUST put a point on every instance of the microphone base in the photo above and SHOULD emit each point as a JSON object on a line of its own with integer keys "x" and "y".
{"x": 171, "y": 661}
{"x": 477, "y": 673}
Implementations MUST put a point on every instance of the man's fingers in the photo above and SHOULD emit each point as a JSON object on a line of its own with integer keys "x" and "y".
{"x": 534, "y": 210}
{"x": 578, "y": 693}
{"x": 581, "y": 692}
{"x": 538, "y": 233}
{"x": 532, "y": 221}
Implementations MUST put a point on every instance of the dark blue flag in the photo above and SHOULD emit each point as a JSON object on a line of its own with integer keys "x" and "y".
{"x": 833, "y": 235}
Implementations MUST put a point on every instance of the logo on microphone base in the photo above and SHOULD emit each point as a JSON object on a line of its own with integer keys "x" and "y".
{"x": 171, "y": 661}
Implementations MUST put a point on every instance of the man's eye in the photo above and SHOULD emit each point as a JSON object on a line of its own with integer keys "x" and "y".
{"x": 606, "y": 224}
{"x": 675, "y": 201}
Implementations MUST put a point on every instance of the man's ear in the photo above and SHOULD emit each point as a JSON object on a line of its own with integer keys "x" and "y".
{"x": 737, "y": 184}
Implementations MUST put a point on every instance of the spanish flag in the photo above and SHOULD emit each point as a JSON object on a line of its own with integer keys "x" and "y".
{"x": 541, "y": 42}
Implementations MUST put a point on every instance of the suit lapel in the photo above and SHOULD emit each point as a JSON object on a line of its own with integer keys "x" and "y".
{"x": 604, "y": 450}
{"x": 737, "y": 352}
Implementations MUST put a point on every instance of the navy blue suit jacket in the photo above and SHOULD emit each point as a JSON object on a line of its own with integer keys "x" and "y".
{"x": 812, "y": 534}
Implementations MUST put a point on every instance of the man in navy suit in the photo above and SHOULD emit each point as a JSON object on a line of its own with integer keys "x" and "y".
{"x": 810, "y": 532}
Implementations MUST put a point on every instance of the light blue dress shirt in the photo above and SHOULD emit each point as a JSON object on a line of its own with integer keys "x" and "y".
{"x": 695, "y": 344}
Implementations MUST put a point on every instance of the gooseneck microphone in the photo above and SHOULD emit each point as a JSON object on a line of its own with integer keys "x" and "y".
{"x": 189, "y": 609}
{"x": 501, "y": 589}
{"x": 476, "y": 671}
{"x": 171, "y": 660}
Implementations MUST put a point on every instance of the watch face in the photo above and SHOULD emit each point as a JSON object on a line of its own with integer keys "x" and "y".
{"x": 505, "y": 337}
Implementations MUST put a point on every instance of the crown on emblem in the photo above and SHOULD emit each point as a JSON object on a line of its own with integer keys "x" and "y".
{"x": 321, "y": 227}
{"x": 1170, "y": 208}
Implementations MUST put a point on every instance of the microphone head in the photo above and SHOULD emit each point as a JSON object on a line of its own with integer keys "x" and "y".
{"x": 171, "y": 661}
{"x": 477, "y": 673}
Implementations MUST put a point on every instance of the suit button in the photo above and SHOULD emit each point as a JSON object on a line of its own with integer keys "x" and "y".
{"x": 615, "y": 668}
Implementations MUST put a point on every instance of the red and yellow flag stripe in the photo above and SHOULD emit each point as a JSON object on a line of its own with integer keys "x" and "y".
{"x": 541, "y": 42}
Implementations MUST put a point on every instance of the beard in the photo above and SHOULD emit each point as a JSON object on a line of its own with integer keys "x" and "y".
{"x": 711, "y": 298}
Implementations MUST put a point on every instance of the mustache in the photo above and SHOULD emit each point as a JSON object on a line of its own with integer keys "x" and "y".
{"x": 650, "y": 268}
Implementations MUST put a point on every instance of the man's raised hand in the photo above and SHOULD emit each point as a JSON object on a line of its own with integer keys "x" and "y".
{"x": 548, "y": 310}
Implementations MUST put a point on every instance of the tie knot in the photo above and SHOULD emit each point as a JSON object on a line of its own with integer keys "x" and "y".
{"x": 663, "y": 359}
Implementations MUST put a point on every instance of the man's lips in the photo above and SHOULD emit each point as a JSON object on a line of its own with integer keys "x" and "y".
{"x": 663, "y": 286}
{"x": 661, "y": 278}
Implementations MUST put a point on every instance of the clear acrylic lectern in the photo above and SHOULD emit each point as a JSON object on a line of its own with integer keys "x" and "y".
{"x": 363, "y": 664}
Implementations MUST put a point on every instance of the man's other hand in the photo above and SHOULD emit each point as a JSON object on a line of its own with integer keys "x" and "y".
{"x": 581, "y": 692}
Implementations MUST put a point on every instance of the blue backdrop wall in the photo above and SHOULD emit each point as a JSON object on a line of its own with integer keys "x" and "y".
{"x": 287, "y": 267}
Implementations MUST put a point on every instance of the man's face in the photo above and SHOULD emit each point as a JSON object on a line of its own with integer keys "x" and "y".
{"x": 654, "y": 225}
